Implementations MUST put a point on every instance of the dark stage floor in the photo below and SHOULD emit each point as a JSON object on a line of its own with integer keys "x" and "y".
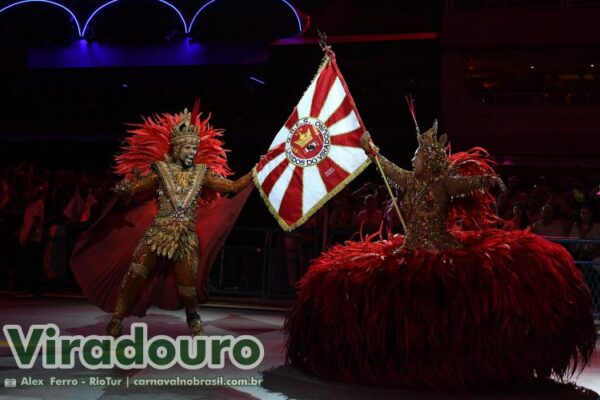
{"x": 76, "y": 316}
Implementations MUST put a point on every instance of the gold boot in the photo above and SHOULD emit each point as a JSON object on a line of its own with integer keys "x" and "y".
{"x": 194, "y": 322}
{"x": 115, "y": 328}
{"x": 132, "y": 282}
{"x": 190, "y": 301}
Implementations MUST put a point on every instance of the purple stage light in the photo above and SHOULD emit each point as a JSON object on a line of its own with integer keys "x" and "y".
{"x": 212, "y": 1}
{"x": 257, "y": 80}
{"x": 18, "y": 3}
{"x": 185, "y": 28}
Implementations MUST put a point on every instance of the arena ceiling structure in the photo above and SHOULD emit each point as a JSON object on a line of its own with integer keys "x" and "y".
{"x": 44, "y": 22}
{"x": 88, "y": 66}
{"x": 39, "y": 22}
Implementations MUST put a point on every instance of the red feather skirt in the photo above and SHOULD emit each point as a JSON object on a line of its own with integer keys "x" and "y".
{"x": 508, "y": 310}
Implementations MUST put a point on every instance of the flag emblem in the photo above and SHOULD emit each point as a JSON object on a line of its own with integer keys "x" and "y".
{"x": 307, "y": 143}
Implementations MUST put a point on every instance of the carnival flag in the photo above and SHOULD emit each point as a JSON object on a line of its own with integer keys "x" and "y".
{"x": 317, "y": 151}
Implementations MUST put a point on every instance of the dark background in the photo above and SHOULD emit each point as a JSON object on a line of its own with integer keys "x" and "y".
{"x": 516, "y": 76}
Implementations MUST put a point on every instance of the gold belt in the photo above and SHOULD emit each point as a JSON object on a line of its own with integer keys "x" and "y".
{"x": 163, "y": 221}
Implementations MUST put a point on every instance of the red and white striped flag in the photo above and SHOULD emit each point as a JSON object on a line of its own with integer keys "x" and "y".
{"x": 316, "y": 153}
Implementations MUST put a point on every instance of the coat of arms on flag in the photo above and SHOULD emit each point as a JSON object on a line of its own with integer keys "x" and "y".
{"x": 317, "y": 151}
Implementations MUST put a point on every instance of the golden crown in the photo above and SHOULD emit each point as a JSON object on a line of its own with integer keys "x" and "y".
{"x": 184, "y": 132}
{"x": 429, "y": 138}
{"x": 304, "y": 138}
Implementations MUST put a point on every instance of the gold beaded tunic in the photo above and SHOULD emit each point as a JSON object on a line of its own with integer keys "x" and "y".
{"x": 172, "y": 233}
{"x": 425, "y": 204}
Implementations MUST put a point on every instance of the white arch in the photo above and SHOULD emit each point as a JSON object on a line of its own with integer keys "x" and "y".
{"x": 212, "y": 1}
{"x": 108, "y": 3}
{"x": 53, "y": 3}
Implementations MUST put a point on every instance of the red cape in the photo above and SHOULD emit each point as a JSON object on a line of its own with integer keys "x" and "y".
{"x": 103, "y": 253}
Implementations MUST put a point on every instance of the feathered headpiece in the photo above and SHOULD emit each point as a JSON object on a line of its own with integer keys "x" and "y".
{"x": 160, "y": 136}
{"x": 436, "y": 159}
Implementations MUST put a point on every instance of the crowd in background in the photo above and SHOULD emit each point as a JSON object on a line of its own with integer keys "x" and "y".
{"x": 42, "y": 213}
{"x": 567, "y": 210}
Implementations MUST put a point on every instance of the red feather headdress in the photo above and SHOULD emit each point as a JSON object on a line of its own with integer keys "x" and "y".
{"x": 149, "y": 142}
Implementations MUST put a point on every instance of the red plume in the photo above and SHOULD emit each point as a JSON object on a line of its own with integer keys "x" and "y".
{"x": 411, "y": 108}
{"x": 477, "y": 211}
{"x": 149, "y": 142}
{"x": 195, "y": 111}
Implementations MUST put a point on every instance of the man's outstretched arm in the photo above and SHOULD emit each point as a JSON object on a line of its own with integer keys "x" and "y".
{"x": 224, "y": 185}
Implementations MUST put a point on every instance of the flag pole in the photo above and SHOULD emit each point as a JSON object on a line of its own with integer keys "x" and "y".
{"x": 328, "y": 52}
{"x": 411, "y": 107}
{"x": 323, "y": 42}
{"x": 387, "y": 185}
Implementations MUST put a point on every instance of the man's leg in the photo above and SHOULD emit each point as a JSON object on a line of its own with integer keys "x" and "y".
{"x": 185, "y": 276}
{"x": 143, "y": 261}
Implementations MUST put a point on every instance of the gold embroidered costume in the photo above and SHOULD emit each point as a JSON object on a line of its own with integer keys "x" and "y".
{"x": 172, "y": 234}
{"x": 427, "y": 197}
